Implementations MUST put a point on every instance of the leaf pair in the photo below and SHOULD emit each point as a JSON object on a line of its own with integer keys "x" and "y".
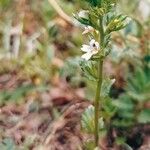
{"x": 116, "y": 23}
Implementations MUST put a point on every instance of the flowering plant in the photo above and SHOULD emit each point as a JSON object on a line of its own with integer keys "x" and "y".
{"x": 100, "y": 20}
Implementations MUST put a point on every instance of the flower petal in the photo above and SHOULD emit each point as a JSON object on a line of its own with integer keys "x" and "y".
{"x": 85, "y": 48}
{"x": 92, "y": 42}
{"x": 94, "y": 52}
{"x": 97, "y": 45}
{"x": 88, "y": 29}
{"x": 87, "y": 56}
{"x": 85, "y": 32}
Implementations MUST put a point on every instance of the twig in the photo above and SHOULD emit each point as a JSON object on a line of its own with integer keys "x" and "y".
{"x": 61, "y": 13}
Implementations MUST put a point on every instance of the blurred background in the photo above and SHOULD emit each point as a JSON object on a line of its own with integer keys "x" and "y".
{"x": 40, "y": 75}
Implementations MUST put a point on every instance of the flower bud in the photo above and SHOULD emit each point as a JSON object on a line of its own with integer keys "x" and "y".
{"x": 83, "y": 14}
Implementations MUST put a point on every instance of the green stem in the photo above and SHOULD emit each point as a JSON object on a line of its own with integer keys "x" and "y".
{"x": 99, "y": 85}
{"x": 97, "y": 101}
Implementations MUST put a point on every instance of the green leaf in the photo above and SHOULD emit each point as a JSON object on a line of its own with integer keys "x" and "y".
{"x": 122, "y": 123}
{"x": 71, "y": 67}
{"x": 94, "y": 2}
{"x": 140, "y": 97}
{"x": 106, "y": 85}
{"x": 138, "y": 88}
{"x": 124, "y": 103}
{"x": 116, "y": 23}
{"x": 97, "y": 12}
{"x": 87, "y": 120}
{"x": 109, "y": 108}
{"x": 144, "y": 116}
{"x": 84, "y": 21}
{"x": 89, "y": 70}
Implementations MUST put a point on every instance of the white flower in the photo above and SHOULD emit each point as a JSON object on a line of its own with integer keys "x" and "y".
{"x": 90, "y": 49}
{"x": 88, "y": 29}
{"x": 83, "y": 14}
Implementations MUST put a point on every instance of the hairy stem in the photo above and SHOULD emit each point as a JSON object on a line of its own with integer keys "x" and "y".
{"x": 97, "y": 101}
{"x": 99, "y": 85}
